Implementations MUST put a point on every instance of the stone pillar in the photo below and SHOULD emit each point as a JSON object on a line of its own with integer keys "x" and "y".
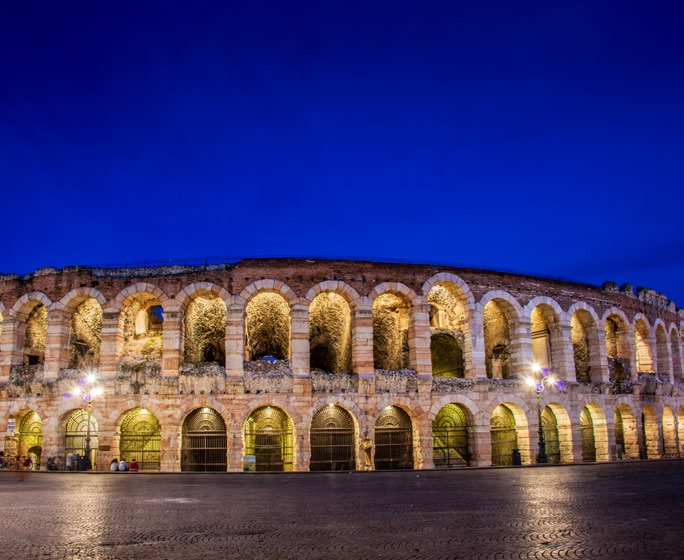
{"x": 302, "y": 451}
{"x": 576, "y": 440}
{"x": 171, "y": 348}
{"x": 612, "y": 449}
{"x": 362, "y": 339}
{"x": 110, "y": 345}
{"x": 478, "y": 367}
{"x": 521, "y": 349}
{"x": 566, "y": 356}
{"x": 57, "y": 345}
{"x": 11, "y": 353}
{"x": 299, "y": 340}
{"x": 480, "y": 443}
{"x": 424, "y": 458}
{"x": 627, "y": 344}
{"x": 419, "y": 338}
{"x": 235, "y": 340}
{"x": 235, "y": 450}
{"x": 598, "y": 360}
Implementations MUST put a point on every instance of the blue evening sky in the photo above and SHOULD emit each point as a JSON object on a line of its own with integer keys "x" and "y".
{"x": 542, "y": 137}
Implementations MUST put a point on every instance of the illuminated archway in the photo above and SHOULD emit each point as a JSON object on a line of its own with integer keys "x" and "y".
{"x": 626, "y": 432}
{"x": 669, "y": 433}
{"x": 504, "y": 435}
{"x": 393, "y": 440}
{"x": 450, "y": 436}
{"x": 649, "y": 426}
{"x": 204, "y": 442}
{"x": 391, "y": 319}
{"x": 330, "y": 333}
{"x": 76, "y": 433}
{"x": 141, "y": 439}
{"x": 269, "y": 438}
{"x": 333, "y": 443}
{"x": 588, "y": 437}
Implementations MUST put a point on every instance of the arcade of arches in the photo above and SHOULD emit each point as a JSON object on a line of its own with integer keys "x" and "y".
{"x": 296, "y": 365}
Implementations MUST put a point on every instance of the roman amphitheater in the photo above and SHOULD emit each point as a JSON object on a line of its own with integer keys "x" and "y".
{"x": 301, "y": 364}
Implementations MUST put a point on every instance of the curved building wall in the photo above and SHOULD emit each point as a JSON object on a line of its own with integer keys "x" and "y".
{"x": 387, "y": 345}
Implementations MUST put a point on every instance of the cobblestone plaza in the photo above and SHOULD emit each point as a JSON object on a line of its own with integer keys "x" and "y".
{"x": 628, "y": 510}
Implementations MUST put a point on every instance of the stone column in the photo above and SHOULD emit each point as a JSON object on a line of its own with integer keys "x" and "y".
{"x": 419, "y": 338}
{"x": 576, "y": 440}
{"x": 362, "y": 339}
{"x": 478, "y": 367}
{"x": 57, "y": 345}
{"x": 302, "y": 451}
{"x": 235, "y": 340}
{"x": 110, "y": 345}
{"x": 424, "y": 459}
{"x": 521, "y": 348}
{"x": 171, "y": 348}
{"x": 480, "y": 443}
{"x": 11, "y": 352}
{"x": 235, "y": 450}
{"x": 566, "y": 357}
{"x": 598, "y": 360}
{"x": 299, "y": 340}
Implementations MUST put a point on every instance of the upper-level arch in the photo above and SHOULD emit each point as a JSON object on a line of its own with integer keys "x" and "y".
{"x": 30, "y": 329}
{"x": 584, "y": 327}
{"x": 129, "y": 293}
{"x": 395, "y": 288}
{"x": 676, "y": 352}
{"x": 350, "y": 295}
{"x": 204, "y": 322}
{"x": 546, "y": 333}
{"x": 269, "y": 285}
{"x": 643, "y": 343}
{"x": 501, "y": 315}
{"x": 663, "y": 355}
{"x": 192, "y": 291}
{"x": 448, "y": 278}
{"x": 25, "y": 304}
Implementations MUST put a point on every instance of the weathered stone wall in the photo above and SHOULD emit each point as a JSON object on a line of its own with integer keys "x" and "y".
{"x": 354, "y": 334}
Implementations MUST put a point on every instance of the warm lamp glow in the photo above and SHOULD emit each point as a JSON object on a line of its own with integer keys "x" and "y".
{"x": 90, "y": 378}
{"x": 531, "y": 382}
{"x": 536, "y": 368}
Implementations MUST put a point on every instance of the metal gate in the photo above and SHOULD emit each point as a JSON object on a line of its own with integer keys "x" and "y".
{"x": 393, "y": 440}
{"x": 77, "y": 432}
{"x": 588, "y": 442}
{"x": 551, "y": 439}
{"x": 204, "y": 442}
{"x": 450, "y": 437}
{"x": 332, "y": 440}
{"x": 141, "y": 439}
{"x": 268, "y": 436}
{"x": 30, "y": 441}
{"x": 504, "y": 435}
{"x": 619, "y": 434}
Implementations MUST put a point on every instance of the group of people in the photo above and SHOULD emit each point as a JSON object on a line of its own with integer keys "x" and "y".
{"x": 17, "y": 463}
{"x": 122, "y": 465}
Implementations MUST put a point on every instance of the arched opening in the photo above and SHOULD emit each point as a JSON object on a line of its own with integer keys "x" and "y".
{"x": 450, "y": 437}
{"x": 141, "y": 439}
{"x": 545, "y": 335}
{"x": 36, "y": 335}
{"x": 447, "y": 356}
{"x": 204, "y": 443}
{"x": 669, "y": 433}
{"x": 662, "y": 352}
{"x": 267, "y": 332}
{"x": 449, "y": 329}
{"x": 675, "y": 348}
{"x": 332, "y": 440}
{"x": 642, "y": 339}
{"x": 393, "y": 440}
{"x": 588, "y": 439}
{"x": 584, "y": 340}
{"x": 85, "y": 335}
{"x": 504, "y": 435}
{"x": 651, "y": 438}
{"x": 330, "y": 333}
{"x": 76, "y": 434}
{"x": 269, "y": 438}
{"x": 497, "y": 338}
{"x": 391, "y": 319}
{"x": 551, "y": 437}
{"x": 626, "y": 433}
{"x": 27, "y": 441}
{"x": 205, "y": 330}
{"x": 141, "y": 326}
{"x": 617, "y": 349}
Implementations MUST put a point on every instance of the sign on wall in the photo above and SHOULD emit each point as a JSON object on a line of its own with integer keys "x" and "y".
{"x": 11, "y": 426}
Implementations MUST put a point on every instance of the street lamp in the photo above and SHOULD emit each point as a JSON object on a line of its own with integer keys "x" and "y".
{"x": 87, "y": 390}
{"x": 539, "y": 380}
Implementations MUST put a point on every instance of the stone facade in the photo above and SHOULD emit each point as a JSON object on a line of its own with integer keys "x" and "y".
{"x": 428, "y": 362}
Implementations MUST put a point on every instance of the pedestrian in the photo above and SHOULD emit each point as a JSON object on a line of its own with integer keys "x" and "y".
{"x": 133, "y": 466}
{"x": 70, "y": 461}
{"x": 114, "y": 465}
{"x": 123, "y": 466}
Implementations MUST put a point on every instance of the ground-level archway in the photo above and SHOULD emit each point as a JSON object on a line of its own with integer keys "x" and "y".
{"x": 204, "y": 443}
{"x": 141, "y": 439}
{"x": 651, "y": 439}
{"x": 669, "y": 433}
{"x": 450, "y": 437}
{"x": 269, "y": 438}
{"x": 333, "y": 443}
{"x": 393, "y": 440}
{"x": 504, "y": 435}
{"x": 626, "y": 433}
{"x": 588, "y": 438}
{"x": 76, "y": 434}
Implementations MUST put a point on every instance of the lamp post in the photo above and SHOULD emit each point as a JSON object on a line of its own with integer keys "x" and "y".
{"x": 539, "y": 380}
{"x": 87, "y": 390}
